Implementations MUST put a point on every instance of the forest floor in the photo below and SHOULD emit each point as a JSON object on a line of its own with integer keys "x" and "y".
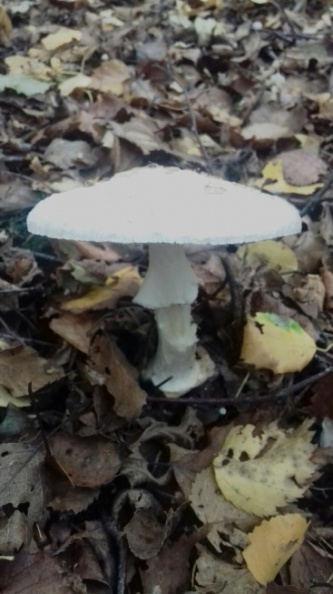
{"x": 108, "y": 485}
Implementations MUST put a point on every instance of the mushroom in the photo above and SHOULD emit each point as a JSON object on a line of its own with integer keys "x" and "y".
{"x": 167, "y": 208}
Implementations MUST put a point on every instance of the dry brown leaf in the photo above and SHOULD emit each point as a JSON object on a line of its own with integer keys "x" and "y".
{"x": 215, "y": 576}
{"x": 74, "y": 329}
{"x": 21, "y": 480}
{"x": 312, "y": 563}
{"x": 143, "y": 133}
{"x": 65, "y": 154}
{"x": 168, "y": 571}
{"x": 66, "y": 498}
{"x": 327, "y": 278}
{"x": 88, "y": 462}
{"x": 5, "y": 25}
{"x": 111, "y": 77}
{"x": 145, "y": 534}
{"x": 310, "y": 295}
{"x": 109, "y": 367}
{"x": 302, "y": 168}
{"x": 213, "y": 509}
{"x": 20, "y": 366}
{"x": 36, "y": 573}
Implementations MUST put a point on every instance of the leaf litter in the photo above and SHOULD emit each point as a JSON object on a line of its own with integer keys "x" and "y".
{"x": 105, "y": 484}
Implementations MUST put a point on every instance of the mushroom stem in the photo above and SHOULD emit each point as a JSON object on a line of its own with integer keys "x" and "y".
{"x": 170, "y": 287}
{"x": 169, "y": 279}
{"x": 175, "y": 357}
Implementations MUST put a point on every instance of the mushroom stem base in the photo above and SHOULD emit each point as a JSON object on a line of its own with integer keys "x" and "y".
{"x": 176, "y": 359}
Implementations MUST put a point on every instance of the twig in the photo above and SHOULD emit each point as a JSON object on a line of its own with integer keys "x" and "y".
{"x": 317, "y": 196}
{"x": 250, "y": 399}
{"x": 291, "y": 25}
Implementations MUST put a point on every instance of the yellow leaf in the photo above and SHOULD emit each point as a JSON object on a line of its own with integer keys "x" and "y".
{"x": 62, "y": 37}
{"x": 276, "y": 343}
{"x": 273, "y": 181}
{"x": 272, "y": 544}
{"x": 123, "y": 282}
{"x": 6, "y": 398}
{"x": 263, "y": 472}
{"x": 29, "y": 67}
{"x": 272, "y": 254}
{"x": 79, "y": 81}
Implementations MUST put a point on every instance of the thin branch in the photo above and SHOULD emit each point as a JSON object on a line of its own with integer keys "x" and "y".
{"x": 317, "y": 196}
{"x": 284, "y": 393}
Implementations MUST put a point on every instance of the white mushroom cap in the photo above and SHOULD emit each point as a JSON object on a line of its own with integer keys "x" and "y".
{"x": 164, "y": 205}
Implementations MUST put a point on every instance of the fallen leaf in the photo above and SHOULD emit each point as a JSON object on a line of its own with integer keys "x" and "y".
{"x": 20, "y": 366}
{"x": 110, "y": 77}
{"x": 168, "y": 571}
{"x": 66, "y": 154}
{"x": 79, "y": 81}
{"x": 272, "y": 544}
{"x": 265, "y": 131}
{"x": 36, "y": 572}
{"x": 21, "y": 479}
{"x": 88, "y": 462}
{"x": 61, "y": 37}
{"x": 312, "y": 563}
{"x": 302, "y": 168}
{"x": 24, "y": 85}
{"x": 213, "y": 509}
{"x": 126, "y": 281}
{"x": 214, "y": 575}
{"x": 74, "y": 329}
{"x": 261, "y": 473}
{"x": 28, "y": 66}
{"x": 271, "y": 254}
{"x": 110, "y": 368}
{"x": 276, "y": 343}
{"x": 273, "y": 181}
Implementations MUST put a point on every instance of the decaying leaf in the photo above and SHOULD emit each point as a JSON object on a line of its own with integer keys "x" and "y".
{"x": 20, "y": 366}
{"x": 86, "y": 462}
{"x": 216, "y": 576}
{"x": 213, "y": 509}
{"x": 260, "y": 473}
{"x": 109, "y": 367}
{"x": 74, "y": 329}
{"x": 36, "y": 567}
{"x": 21, "y": 480}
{"x": 302, "y": 168}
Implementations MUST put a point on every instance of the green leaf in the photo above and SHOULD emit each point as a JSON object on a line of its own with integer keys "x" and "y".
{"x": 24, "y": 85}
